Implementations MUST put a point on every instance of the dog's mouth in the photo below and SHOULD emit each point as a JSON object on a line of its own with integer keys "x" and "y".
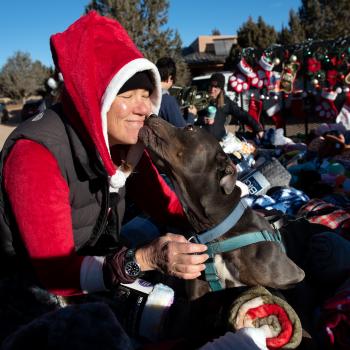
{"x": 156, "y": 136}
{"x": 155, "y": 146}
{"x": 151, "y": 135}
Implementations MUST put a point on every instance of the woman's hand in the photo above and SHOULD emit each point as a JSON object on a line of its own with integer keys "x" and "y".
{"x": 260, "y": 134}
{"x": 173, "y": 255}
{"x": 192, "y": 109}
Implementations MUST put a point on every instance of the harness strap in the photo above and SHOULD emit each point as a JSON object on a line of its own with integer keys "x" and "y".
{"x": 225, "y": 225}
{"x": 233, "y": 243}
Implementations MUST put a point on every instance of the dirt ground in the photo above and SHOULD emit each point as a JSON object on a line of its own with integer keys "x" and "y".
{"x": 6, "y": 128}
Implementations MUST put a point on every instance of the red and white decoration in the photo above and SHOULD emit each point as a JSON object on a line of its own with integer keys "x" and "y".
{"x": 326, "y": 109}
{"x": 344, "y": 115}
{"x": 242, "y": 80}
{"x": 263, "y": 74}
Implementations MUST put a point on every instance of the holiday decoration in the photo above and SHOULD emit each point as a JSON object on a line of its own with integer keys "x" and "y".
{"x": 255, "y": 108}
{"x": 344, "y": 114}
{"x": 332, "y": 77}
{"x": 304, "y": 79}
{"x": 263, "y": 74}
{"x": 241, "y": 81}
{"x": 275, "y": 112}
{"x": 288, "y": 76}
{"x": 347, "y": 79}
{"x": 313, "y": 65}
{"x": 326, "y": 109}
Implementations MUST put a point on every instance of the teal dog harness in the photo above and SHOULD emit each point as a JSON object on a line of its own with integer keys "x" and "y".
{"x": 230, "y": 244}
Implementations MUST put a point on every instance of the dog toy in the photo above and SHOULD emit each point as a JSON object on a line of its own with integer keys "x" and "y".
{"x": 258, "y": 308}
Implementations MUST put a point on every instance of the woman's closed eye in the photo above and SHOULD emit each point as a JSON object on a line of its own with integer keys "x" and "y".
{"x": 125, "y": 95}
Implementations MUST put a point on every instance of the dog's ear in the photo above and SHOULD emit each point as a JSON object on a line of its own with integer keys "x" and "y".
{"x": 227, "y": 183}
{"x": 227, "y": 172}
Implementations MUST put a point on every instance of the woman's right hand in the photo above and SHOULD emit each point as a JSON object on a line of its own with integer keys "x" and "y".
{"x": 172, "y": 254}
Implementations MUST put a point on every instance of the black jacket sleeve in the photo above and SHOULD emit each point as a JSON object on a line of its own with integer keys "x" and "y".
{"x": 242, "y": 116}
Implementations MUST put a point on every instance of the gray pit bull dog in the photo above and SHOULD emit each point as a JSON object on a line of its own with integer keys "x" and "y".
{"x": 204, "y": 178}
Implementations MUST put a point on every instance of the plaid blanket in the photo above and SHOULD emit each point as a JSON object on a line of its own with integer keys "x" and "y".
{"x": 317, "y": 211}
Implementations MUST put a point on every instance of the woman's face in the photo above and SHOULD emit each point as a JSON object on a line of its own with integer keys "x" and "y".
{"x": 214, "y": 91}
{"x": 126, "y": 116}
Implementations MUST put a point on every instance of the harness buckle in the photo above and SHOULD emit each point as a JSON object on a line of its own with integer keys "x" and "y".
{"x": 194, "y": 239}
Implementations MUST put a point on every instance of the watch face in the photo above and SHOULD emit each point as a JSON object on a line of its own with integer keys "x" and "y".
{"x": 132, "y": 269}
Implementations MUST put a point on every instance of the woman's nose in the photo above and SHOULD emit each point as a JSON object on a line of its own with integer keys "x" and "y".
{"x": 143, "y": 107}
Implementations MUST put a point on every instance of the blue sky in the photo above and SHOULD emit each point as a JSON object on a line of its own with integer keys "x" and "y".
{"x": 27, "y": 25}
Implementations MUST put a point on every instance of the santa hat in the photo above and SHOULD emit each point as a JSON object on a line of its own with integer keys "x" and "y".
{"x": 96, "y": 57}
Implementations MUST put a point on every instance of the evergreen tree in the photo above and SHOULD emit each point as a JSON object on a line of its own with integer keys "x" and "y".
{"x": 20, "y": 77}
{"x": 248, "y": 33}
{"x": 324, "y": 19}
{"x": 256, "y": 35}
{"x": 145, "y": 21}
{"x": 337, "y": 18}
{"x": 215, "y": 31}
{"x": 295, "y": 33}
{"x": 267, "y": 34}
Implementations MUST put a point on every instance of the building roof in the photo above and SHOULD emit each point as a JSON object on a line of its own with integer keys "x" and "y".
{"x": 202, "y": 42}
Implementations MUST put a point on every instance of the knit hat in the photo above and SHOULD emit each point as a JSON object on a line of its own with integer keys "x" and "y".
{"x": 217, "y": 79}
{"x": 141, "y": 80}
{"x": 96, "y": 58}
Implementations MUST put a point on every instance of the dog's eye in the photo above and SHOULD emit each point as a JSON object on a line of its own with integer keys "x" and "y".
{"x": 179, "y": 154}
{"x": 189, "y": 128}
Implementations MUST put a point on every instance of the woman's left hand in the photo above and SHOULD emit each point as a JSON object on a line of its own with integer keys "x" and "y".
{"x": 172, "y": 254}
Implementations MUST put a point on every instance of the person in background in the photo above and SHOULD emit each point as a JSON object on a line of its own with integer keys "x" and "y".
{"x": 169, "y": 108}
{"x": 224, "y": 106}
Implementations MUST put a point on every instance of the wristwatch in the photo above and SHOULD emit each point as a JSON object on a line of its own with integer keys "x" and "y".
{"x": 131, "y": 267}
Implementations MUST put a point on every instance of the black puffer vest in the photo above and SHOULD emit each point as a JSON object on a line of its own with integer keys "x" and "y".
{"x": 87, "y": 182}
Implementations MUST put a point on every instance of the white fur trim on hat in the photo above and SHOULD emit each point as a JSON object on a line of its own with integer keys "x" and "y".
{"x": 329, "y": 95}
{"x": 273, "y": 109}
{"x": 265, "y": 64}
{"x": 246, "y": 69}
{"x": 125, "y": 73}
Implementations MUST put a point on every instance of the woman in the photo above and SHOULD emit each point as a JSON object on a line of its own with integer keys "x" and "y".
{"x": 224, "y": 107}
{"x": 65, "y": 171}
{"x": 64, "y": 174}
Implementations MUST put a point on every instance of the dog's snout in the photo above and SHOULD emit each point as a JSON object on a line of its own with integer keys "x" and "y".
{"x": 152, "y": 116}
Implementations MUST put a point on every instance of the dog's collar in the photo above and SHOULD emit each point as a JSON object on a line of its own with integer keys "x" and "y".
{"x": 223, "y": 227}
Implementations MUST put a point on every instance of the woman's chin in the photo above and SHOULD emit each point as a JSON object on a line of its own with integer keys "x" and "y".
{"x": 132, "y": 139}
